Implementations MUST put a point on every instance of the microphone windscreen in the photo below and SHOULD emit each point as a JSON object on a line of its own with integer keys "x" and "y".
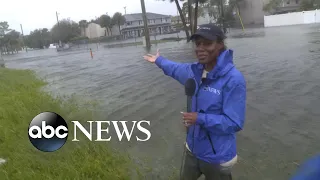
{"x": 190, "y": 87}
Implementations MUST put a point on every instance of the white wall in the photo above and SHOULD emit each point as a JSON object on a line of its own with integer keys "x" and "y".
{"x": 305, "y": 17}
{"x": 94, "y": 30}
{"x": 115, "y": 30}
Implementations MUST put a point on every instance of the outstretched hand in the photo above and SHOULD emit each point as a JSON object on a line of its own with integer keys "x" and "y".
{"x": 152, "y": 58}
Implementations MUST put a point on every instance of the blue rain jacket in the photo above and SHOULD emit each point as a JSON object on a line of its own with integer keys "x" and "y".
{"x": 220, "y": 101}
{"x": 309, "y": 170}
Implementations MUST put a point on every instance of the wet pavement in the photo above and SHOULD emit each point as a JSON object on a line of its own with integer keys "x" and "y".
{"x": 282, "y": 69}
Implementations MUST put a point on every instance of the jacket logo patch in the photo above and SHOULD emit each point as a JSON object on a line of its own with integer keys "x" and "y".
{"x": 212, "y": 90}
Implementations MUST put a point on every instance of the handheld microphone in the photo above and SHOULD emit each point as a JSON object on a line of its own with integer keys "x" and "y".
{"x": 190, "y": 88}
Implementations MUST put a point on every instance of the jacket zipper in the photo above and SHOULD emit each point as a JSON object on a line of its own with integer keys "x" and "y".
{"x": 196, "y": 110}
{"x": 203, "y": 129}
{"x": 211, "y": 142}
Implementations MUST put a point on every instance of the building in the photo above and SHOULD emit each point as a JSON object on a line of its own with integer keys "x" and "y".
{"x": 252, "y": 13}
{"x": 175, "y": 20}
{"x": 287, "y": 6}
{"x": 134, "y": 26}
{"x": 95, "y": 31}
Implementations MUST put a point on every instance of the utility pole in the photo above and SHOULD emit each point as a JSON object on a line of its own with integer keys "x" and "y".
{"x": 23, "y": 38}
{"x": 190, "y": 16}
{"x": 57, "y": 18}
{"x": 125, "y": 10}
{"x": 222, "y": 16}
{"x": 58, "y": 26}
{"x": 145, "y": 22}
{"x": 1, "y": 35}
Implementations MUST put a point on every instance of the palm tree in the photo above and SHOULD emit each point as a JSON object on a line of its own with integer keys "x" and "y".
{"x": 182, "y": 17}
{"x": 83, "y": 24}
{"x": 118, "y": 19}
{"x": 105, "y": 21}
{"x": 192, "y": 15}
{"x": 111, "y": 24}
{"x": 190, "y": 2}
{"x": 196, "y": 13}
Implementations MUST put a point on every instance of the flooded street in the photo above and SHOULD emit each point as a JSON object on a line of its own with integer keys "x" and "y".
{"x": 282, "y": 69}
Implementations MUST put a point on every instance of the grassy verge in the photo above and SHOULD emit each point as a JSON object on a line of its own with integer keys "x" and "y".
{"x": 20, "y": 100}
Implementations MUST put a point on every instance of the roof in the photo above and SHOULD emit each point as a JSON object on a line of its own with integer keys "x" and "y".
{"x": 138, "y": 16}
{"x": 142, "y": 26}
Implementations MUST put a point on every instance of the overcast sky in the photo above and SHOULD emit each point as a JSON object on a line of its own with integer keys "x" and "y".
{"x": 33, "y": 14}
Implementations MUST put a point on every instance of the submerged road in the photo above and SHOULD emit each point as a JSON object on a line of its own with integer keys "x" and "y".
{"x": 282, "y": 69}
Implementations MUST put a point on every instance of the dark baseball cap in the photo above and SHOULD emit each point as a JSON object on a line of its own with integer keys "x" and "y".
{"x": 208, "y": 31}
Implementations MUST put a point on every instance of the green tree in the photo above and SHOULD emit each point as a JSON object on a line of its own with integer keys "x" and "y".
{"x": 11, "y": 41}
{"x": 66, "y": 30}
{"x": 83, "y": 24}
{"x": 110, "y": 25}
{"x": 105, "y": 22}
{"x": 218, "y": 9}
{"x": 46, "y": 37}
{"x": 39, "y": 38}
{"x": 184, "y": 9}
{"x": 198, "y": 12}
{"x": 271, "y": 5}
{"x": 195, "y": 14}
{"x": 182, "y": 13}
{"x": 195, "y": 9}
{"x": 4, "y": 28}
{"x": 307, "y": 5}
{"x": 182, "y": 17}
{"x": 212, "y": 7}
{"x": 34, "y": 40}
{"x": 118, "y": 19}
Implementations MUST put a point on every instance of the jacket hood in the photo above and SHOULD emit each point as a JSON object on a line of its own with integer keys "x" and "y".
{"x": 223, "y": 66}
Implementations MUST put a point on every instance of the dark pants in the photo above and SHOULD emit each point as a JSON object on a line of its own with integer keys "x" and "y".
{"x": 193, "y": 168}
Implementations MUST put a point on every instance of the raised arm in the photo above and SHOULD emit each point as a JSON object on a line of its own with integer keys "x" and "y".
{"x": 178, "y": 71}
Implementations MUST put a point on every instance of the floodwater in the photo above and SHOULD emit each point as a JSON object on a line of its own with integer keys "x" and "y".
{"x": 282, "y": 69}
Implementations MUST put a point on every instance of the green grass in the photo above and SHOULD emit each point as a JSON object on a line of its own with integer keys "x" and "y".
{"x": 21, "y": 99}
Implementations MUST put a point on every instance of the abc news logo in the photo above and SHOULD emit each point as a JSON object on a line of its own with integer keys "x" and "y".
{"x": 48, "y": 131}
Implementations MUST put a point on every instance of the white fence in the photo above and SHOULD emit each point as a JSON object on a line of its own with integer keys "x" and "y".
{"x": 295, "y": 18}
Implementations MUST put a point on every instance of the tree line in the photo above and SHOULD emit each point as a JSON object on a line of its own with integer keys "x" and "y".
{"x": 305, "y": 5}
{"x": 218, "y": 9}
{"x": 223, "y": 12}
{"x": 66, "y": 30}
